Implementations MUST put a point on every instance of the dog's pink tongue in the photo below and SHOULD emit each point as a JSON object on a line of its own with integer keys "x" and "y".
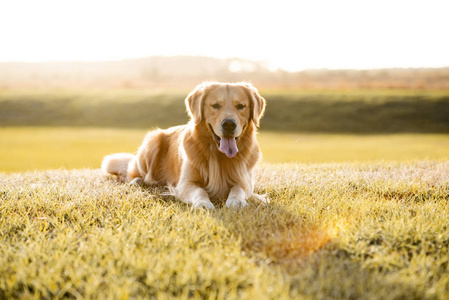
{"x": 228, "y": 146}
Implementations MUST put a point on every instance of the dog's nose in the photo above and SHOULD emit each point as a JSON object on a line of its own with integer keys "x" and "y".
{"x": 228, "y": 126}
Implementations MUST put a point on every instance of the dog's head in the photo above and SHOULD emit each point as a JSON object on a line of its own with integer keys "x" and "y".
{"x": 226, "y": 109}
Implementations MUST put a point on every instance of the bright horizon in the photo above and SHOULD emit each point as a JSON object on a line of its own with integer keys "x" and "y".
{"x": 292, "y": 35}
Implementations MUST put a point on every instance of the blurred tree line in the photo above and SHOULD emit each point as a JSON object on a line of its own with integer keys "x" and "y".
{"x": 184, "y": 72}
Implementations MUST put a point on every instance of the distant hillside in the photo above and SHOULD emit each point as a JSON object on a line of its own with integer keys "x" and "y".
{"x": 359, "y": 111}
{"x": 187, "y": 71}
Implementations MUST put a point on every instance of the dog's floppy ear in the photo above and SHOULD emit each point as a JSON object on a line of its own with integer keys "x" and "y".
{"x": 257, "y": 104}
{"x": 194, "y": 103}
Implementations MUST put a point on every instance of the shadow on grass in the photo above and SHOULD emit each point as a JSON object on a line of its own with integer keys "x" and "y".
{"x": 269, "y": 233}
{"x": 308, "y": 255}
{"x": 273, "y": 235}
{"x": 304, "y": 251}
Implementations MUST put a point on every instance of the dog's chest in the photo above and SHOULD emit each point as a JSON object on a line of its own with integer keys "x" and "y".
{"x": 221, "y": 177}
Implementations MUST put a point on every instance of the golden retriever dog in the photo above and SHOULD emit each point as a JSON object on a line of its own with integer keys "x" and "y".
{"x": 211, "y": 159}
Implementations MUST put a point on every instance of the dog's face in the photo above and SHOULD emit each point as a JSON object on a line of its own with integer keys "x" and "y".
{"x": 226, "y": 109}
{"x": 226, "y": 112}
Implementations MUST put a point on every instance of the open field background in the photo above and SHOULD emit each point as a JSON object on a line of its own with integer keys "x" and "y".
{"x": 338, "y": 111}
{"x": 359, "y": 209}
{"x": 43, "y": 148}
{"x": 47, "y": 129}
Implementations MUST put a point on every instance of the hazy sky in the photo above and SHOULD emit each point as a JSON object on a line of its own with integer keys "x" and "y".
{"x": 288, "y": 34}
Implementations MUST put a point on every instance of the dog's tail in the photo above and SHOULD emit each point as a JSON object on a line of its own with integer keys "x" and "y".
{"x": 117, "y": 164}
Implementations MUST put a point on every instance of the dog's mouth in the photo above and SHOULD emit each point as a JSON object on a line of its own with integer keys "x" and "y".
{"x": 226, "y": 144}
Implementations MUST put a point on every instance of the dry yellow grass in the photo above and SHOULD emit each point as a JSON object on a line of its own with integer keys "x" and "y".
{"x": 372, "y": 231}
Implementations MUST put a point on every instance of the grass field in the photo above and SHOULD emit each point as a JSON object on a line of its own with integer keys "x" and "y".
{"x": 358, "y": 182}
{"x": 341, "y": 231}
{"x": 30, "y": 148}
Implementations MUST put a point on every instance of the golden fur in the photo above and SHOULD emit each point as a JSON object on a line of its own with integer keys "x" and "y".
{"x": 190, "y": 158}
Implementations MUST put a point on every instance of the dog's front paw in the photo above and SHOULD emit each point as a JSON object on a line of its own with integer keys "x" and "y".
{"x": 205, "y": 203}
{"x": 236, "y": 203}
{"x": 136, "y": 181}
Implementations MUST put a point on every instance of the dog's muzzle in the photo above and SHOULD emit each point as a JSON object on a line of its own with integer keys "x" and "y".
{"x": 227, "y": 143}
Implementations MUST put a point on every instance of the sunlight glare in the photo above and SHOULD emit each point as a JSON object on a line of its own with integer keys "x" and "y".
{"x": 292, "y": 35}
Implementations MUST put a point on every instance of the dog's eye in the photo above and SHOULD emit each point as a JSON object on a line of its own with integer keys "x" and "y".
{"x": 240, "y": 106}
{"x": 216, "y": 106}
